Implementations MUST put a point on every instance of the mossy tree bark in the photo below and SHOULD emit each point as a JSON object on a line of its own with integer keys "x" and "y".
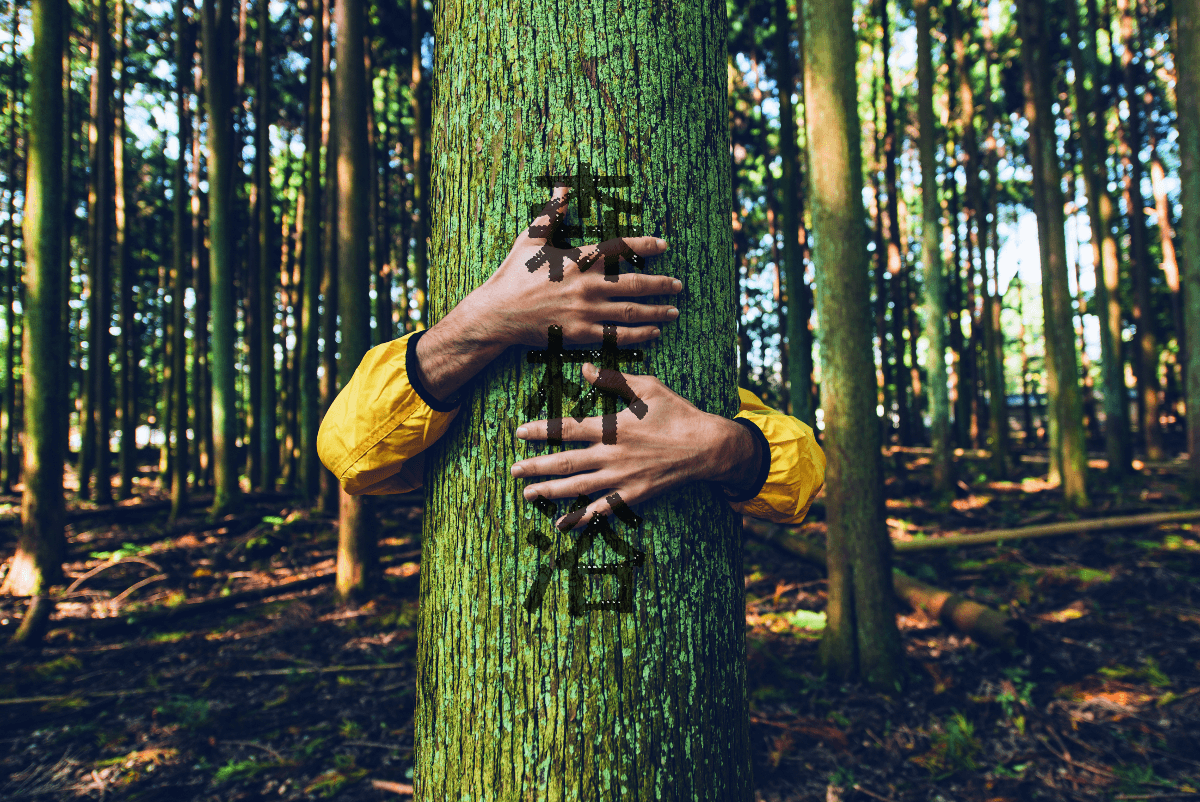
{"x": 861, "y": 638}
{"x": 604, "y": 705}
{"x": 356, "y": 537}
{"x": 218, "y": 82}
{"x": 931, "y": 261}
{"x": 1062, "y": 364}
{"x": 1093, "y": 149}
{"x": 310, "y": 315}
{"x": 38, "y": 560}
{"x": 1187, "y": 24}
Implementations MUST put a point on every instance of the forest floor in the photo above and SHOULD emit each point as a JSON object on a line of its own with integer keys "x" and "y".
{"x": 212, "y": 679}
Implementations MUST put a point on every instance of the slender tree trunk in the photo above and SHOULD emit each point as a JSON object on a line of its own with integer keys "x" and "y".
{"x": 646, "y": 703}
{"x": 37, "y": 563}
{"x": 1187, "y": 24}
{"x": 1104, "y": 241}
{"x": 219, "y": 99}
{"x": 356, "y": 562}
{"x": 861, "y": 636}
{"x": 798, "y": 335}
{"x": 11, "y": 274}
{"x": 268, "y": 256}
{"x": 201, "y": 375}
{"x": 1062, "y": 364}
{"x": 420, "y": 187}
{"x": 895, "y": 263}
{"x": 98, "y": 363}
{"x": 1145, "y": 340}
{"x": 385, "y": 330}
{"x": 1166, "y": 233}
{"x": 125, "y": 275}
{"x": 310, "y": 357}
{"x": 179, "y": 201}
{"x": 330, "y": 489}
{"x": 931, "y": 259}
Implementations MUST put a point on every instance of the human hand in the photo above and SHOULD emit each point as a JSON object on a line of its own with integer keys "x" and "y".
{"x": 517, "y": 305}
{"x": 670, "y": 443}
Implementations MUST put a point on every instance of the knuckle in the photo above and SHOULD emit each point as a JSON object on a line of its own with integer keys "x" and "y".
{"x": 629, "y": 312}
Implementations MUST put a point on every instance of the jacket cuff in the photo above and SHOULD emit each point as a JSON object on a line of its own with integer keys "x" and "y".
{"x": 764, "y": 463}
{"x": 414, "y": 379}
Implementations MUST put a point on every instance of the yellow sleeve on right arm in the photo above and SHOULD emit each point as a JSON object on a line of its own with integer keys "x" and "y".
{"x": 376, "y": 430}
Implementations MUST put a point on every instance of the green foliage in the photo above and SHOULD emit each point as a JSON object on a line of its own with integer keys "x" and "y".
{"x": 1018, "y": 691}
{"x": 351, "y": 730}
{"x": 842, "y": 777}
{"x": 236, "y": 770}
{"x": 1149, "y": 673}
{"x": 127, "y": 550}
{"x": 188, "y": 713}
{"x": 953, "y": 748}
{"x": 56, "y": 669}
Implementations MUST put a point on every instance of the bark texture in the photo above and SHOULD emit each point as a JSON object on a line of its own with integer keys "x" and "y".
{"x": 645, "y": 704}
{"x": 1187, "y": 23}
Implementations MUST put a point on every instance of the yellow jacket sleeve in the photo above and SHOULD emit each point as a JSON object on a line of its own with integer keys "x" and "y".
{"x": 796, "y": 470}
{"x": 376, "y": 430}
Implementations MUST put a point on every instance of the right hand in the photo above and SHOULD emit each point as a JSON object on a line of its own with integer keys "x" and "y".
{"x": 516, "y": 306}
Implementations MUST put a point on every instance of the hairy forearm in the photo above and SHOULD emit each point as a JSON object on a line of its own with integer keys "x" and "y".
{"x": 456, "y": 348}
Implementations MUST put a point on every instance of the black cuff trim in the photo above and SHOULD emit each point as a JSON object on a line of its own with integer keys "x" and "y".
{"x": 764, "y": 463}
{"x": 414, "y": 379}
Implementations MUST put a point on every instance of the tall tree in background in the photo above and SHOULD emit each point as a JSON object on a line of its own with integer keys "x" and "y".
{"x": 310, "y": 283}
{"x": 420, "y": 168}
{"x": 10, "y": 277}
{"x": 37, "y": 563}
{"x": 179, "y": 254}
{"x": 267, "y": 254}
{"x": 1062, "y": 365}
{"x": 860, "y": 638}
{"x": 330, "y": 489}
{"x": 1187, "y": 92}
{"x": 100, "y": 213}
{"x": 356, "y": 537}
{"x": 650, "y": 702}
{"x": 127, "y": 398}
{"x": 798, "y": 335}
{"x": 931, "y": 259}
{"x": 1101, "y": 213}
{"x": 218, "y": 30}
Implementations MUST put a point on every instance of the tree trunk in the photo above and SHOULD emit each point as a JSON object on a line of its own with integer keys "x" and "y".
{"x": 931, "y": 259}
{"x": 101, "y": 287}
{"x": 420, "y": 186}
{"x": 310, "y": 318}
{"x": 895, "y": 263}
{"x": 1062, "y": 363}
{"x": 330, "y": 490}
{"x": 10, "y": 277}
{"x": 1093, "y": 148}
{"x": 1145, "y": 341}
{"x": 268, "y": 256}
{"x": 201, "y": 375}
{"x": 37, "y": 563}
{"x": 649, "y": 702}
{"x": 1187, "y": 23}
{"x": 179, "y": 200}
{"x": 356, "y": 562}
{"x": 385, "y": 330}
{"x": 861, "y": 636}
{"x": 798, "y": 335}
{"x": 125, "y": 274}
{"x": 219, "y": 99}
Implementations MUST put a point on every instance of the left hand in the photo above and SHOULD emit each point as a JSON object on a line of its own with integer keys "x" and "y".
{"x": 673, "y": 443}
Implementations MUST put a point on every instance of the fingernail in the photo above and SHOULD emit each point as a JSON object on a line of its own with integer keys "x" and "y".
{"x": 662, "y": 243}
{"x": 529, "y": 493}
{"x": 673, "y": 312}
{"x": 522, "y": 432}
{"x": 517, "y": 470}
{"x": 657, "y": 333}
{"x": 677, "y": 285}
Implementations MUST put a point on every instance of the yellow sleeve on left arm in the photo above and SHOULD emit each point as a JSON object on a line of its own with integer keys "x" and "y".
{"x": 797, "y": 469}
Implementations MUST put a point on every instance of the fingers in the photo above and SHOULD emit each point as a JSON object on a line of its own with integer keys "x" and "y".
{"x": 631, "y": 249}
{"x": 542, "y": 228}
{"x": 632, "y": 389}
{"x": 631, "y": 313}
{"x": 586, "y": 431}
{"x": 583, "y": 484}
{"x": 564, "y": 463}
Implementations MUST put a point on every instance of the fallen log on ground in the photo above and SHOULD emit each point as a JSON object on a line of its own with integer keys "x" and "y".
{"x": 1047, "y": 530}
{"x": 955, "y": 611}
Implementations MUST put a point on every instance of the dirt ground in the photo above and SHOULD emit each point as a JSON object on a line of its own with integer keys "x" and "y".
{"x": 265, "y": 690}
